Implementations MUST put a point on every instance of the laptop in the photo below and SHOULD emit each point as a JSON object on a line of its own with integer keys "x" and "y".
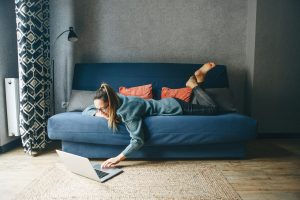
{"x": 82, "y": 166}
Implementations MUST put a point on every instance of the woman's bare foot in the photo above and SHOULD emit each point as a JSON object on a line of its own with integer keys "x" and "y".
{"x": 201, "y": 72}
{"x": 192, "y": 82}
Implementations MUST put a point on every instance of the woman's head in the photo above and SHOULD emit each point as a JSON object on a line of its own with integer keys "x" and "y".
{"x": 107, "y": 101}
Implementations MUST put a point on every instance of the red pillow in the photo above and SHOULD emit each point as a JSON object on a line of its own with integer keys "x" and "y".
{"x": 180, "y": 93}
{"x": 143, "y": 91}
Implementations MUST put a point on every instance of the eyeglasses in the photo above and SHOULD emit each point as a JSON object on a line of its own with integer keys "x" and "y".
{"x": 102, "y": 109}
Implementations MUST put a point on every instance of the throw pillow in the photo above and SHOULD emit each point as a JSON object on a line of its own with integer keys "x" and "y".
{"x": 80, "y": 99}
{"x": 180, "y": 93}
{"x": 143, "y": 91}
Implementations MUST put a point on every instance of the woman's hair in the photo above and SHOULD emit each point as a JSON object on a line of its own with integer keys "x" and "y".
{"x": 107, "y": 94}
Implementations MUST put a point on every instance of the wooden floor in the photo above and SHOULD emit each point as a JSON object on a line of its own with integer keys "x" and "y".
{"x": 271, "y": 170}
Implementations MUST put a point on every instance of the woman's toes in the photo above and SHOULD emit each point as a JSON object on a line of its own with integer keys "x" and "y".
{"x": 212, "y": 64}
{"x": 205, "y": 68}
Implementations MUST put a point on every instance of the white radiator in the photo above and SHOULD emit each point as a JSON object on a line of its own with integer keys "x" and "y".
{"x": 12, "y": 105}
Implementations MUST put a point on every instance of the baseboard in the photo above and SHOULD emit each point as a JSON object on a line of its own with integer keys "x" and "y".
{"x": 13, "y": 144}
{"x": 277, "y": 135}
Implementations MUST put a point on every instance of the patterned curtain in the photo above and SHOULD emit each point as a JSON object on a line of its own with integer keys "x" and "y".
{"x": 32, "y": 18}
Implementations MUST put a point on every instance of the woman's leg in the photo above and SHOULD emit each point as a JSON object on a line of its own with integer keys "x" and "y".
{"x": 202, "y": 105}
{"x": 200, "y": 97}
{"x": 202, "y": 71}
{"x": 207, "y": 108}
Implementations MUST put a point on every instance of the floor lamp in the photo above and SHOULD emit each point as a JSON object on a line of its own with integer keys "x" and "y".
{"x": 72, "y": 37}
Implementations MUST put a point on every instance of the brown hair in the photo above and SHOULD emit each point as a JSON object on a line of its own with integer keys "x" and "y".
{"x": 107, "y": 94}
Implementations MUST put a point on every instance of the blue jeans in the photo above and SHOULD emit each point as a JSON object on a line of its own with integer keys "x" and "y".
{"x": 201, "y": 103}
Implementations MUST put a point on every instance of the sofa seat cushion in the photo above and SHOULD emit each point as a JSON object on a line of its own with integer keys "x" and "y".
{"x": 159, "y": 130}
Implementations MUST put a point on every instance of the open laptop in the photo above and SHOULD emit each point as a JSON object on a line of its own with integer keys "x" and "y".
{"x": 82, "y": 166}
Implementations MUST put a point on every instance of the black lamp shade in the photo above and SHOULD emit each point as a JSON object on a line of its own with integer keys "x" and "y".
{"x": 72, "y": 37}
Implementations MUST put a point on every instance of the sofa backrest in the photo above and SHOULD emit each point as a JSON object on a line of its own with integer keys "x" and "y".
{"x": 89, "y": 76}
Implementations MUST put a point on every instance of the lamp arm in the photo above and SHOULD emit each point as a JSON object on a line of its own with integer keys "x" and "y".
{"x": 52, "y": 59}
{"x": 59, "y": 36}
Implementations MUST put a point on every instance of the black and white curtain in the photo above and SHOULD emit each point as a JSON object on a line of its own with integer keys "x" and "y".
{"x": 32, "y": 18}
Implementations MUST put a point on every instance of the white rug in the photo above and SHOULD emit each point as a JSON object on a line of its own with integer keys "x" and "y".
{"x": 140, "y": 180}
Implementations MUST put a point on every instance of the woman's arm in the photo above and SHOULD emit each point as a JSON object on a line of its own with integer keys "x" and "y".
{"x": 135, "y": 130}
{"x": 90, "y": 110}
{"x": 134, "y": 127}
{"x": 102, "y": 114}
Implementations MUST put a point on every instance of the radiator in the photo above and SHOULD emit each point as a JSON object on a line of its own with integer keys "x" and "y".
{"x": 12, "y": 105}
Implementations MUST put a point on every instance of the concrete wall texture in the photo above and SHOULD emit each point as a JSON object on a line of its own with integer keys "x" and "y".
{"x": 163, "y": 31}
{"x": 256, "y": 39}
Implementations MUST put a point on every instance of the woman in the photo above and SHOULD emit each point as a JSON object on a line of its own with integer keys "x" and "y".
{"x": 130, "y": 110}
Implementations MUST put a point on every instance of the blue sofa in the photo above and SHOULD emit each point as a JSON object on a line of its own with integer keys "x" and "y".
{"x": 219, "y": 136}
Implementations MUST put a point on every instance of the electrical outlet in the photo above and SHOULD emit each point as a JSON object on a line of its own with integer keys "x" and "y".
{"x": 64, "y": 104}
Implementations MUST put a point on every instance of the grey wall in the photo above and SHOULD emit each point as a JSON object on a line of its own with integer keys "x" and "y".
{"x": 8, "y": 60}
{"x": 276, "y": 92}
{"x": 194, "y": 31}
{"x": 257, "y": 39}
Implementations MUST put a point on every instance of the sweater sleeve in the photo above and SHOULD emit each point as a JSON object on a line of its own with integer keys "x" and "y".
{"x": 90, "y": 110}
{"x": 135, "y": 130}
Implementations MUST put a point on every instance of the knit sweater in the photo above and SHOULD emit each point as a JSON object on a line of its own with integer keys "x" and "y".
{"x": 132, "y": 110}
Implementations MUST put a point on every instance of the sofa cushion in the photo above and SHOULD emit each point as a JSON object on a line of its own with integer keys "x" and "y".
{"x": 180, "y": 93}
{"x": 80, "y": 99}
{"x": 159, "y": 130}
{"x": 143, "y": 91}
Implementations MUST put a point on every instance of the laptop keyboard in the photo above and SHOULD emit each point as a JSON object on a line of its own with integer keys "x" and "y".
{"x": 101, "y": 174}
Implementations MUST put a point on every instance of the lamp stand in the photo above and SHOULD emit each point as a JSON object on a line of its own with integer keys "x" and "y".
{"x": 72, "y": 37}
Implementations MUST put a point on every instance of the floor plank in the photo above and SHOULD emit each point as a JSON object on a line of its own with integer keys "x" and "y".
{"x": 270, "y": 171}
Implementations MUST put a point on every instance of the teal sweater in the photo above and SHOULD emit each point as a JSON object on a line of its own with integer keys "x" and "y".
{"x": 132, "y": 110}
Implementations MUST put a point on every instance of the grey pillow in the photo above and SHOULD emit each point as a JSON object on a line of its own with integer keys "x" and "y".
{"x": 223, "y": 98}
{"x": 80, "y": 99}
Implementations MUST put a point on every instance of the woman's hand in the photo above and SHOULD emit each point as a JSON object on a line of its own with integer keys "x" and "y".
{"x": 102, "y": 114}
{"x": 112, "y": 162}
